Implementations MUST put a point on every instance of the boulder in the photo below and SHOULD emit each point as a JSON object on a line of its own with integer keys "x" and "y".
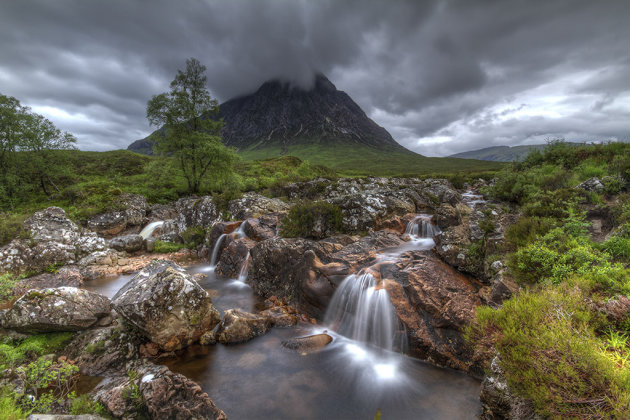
{"x": 194, "y": 211}
{"x": 447, "y": 216}
{"x": 239, "y": 326}
{"x": 255, "y": 205}
{"x": 162, "y": 394}
{"x": 364, "y": 212}
{"x": 56, "y": 309}
{"x": 68, "y": 276}
{"x": 220, "y": 228}
{"x": 130, "y": 214}
{"x": 169, "y": 232}
{"x": 262, "y": 228}
{"x": 279, "y": 314}
{"x": 307, "y": 344}
{"x": 55, "y": 240}
{"x": 435, "y": 303}
{"x": 127, "y": 243}
{"x": 166, "y": 305}
{"x": 592, "y": 185}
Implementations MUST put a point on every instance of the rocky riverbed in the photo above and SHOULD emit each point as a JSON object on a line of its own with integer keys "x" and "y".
{"x": 156, "y": 325}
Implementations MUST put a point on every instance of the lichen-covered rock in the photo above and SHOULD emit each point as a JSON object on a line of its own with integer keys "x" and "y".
{"x": 55, "y": 240}
{"x": 167, "y": 305}
{"x": 363, "y": 212}
{"x": 68, "y": 276}
{"x": 255, "y": 205}
{"x": 127, "y": 243}
{"x": 592, "y": 184}
{"x": 238, "y": 326}
{"x": 262, "y": 228}
{"x": 56, "y": 309}
{"x": 132, "y": 213}
{"x": 193, "y": 211}
{"x": 162, "y": 394}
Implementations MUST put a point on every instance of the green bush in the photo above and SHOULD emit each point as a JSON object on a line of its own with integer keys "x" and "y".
{"x": 193, "y": 236}
{"x": 84, "y": 404}
{"x": 7, "y": 284}
{"x": 12, "y": 227}
{"x": 527, "y": 229}
{"x": 618, "y": 247}
{"x": 13, "y": 353}
{"x": 303, "y": 216}
{"x": 9, "y": 405}
{"x": 164, "y": 247}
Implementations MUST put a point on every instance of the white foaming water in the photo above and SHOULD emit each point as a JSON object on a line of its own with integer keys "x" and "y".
{"x": 215, "y": 250}
{"x": 362, "y": 311}
{"x": 242, "y": 275}
{"x": 150, "y": 228}
{"x": 420, "y": 227}
{"x": 472, "y": 199}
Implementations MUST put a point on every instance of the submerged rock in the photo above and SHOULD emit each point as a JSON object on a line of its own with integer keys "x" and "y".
{"x": 54, "y": 240}
{"x": 239, "y": 326}
{"x": 167, "y": 305}
{"x": 308, "y": 344}
{"x": 161, "y": 394}
{"x": 56, "y": 309}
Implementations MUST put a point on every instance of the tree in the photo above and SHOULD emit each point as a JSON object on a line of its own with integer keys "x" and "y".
{"x": 189, "y": 133}
{"x": 26, "y": 142}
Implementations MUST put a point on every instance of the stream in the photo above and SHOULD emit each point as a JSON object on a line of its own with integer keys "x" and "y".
{"x": 359, "y": 373}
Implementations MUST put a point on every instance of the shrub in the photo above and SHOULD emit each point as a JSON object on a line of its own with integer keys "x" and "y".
{"x": 618, "y": 247}
{"x": 193, "y": 236}
{"x": 84, "y": 404}
{"x": 303, "y": 217}
{"x": 9, "y": 406}
{"x": 164, "y": 247}
{"x": 12, "y": 227}
{"x": 551, "y": 354}
{"x": 7, "y": 284}
{"x": 527, "y": 229}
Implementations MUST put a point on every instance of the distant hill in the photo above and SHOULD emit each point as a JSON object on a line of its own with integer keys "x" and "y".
{"x": 500, "y": 153}
{"x": 322, "y": 125}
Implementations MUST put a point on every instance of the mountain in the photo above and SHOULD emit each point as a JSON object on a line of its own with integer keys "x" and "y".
{"x": 322, "y": 125}
{"x": 281, "y": 115}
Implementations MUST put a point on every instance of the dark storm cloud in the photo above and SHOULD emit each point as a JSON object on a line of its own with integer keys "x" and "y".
{"x": 442, "y": 77}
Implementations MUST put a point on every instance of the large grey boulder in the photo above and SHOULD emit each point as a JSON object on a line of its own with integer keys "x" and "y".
{"x": 132, "y": 213}
{"x": 255, "y": 205}
{"x": 56, "y": 309}
{"x": 127, "y": 243}
{"x": 167, "y": 305}
{"x": 193, "y": 211}
{"x": 592, "y": 184}
{"x": 54, "y": 240}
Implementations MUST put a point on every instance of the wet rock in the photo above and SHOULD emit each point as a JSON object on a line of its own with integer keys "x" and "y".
{"x": 233, "y": 255}
{"x": 364, "y": 212}
{"x": 131, "y": 215}
{"x": 447, "y": 216}
{"x": 55, "y": 240}
{"x": 208, "y": 339}
{"x": 169, "y": 232}
{"x": 435, "y": 303}
{"x": 194, "y": 212}
{"x": 219, "y": 229}
{"x": 64, "y": 417}
{"x": 308, "y": 344}
{"x": 56, "y": 309}
{"x": 239, "y": 326}
{"x": 592, "y": 184}
{"x": 499, "y": 402}
{"x": 149, "y": 244}
{"x": 162, "y": 395}
{"x": 255, "y": 205}
{"x": 166, "y": 305}
{"x": 127, "y": 243}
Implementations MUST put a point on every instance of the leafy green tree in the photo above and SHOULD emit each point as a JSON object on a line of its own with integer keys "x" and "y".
{"x": 189, "y": 133}
{"x": 12, "y": 123}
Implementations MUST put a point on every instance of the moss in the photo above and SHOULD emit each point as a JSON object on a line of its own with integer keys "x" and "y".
{"x": 163, "y": 247}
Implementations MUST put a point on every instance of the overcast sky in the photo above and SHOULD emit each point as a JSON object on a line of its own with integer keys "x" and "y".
{"x": 442, "y": 77}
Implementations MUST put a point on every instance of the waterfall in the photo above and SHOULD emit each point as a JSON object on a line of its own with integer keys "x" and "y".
{"x": 150, "y": 228}
{"x": 215, "y": 250}
{"x": 361, "y": 310}
{"x": 242, "y": 275}
{"x": 421, "y": 227}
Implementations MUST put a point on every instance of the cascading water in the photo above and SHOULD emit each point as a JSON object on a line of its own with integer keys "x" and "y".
{"x": 150, "y": 228}
{"x": 215, "y": 250}
{"x": 361, "y": 310}
{"x": 421, "y": 227}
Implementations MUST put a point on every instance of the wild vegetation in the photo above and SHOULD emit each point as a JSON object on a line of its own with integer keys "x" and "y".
{"x": 555, "y": 343}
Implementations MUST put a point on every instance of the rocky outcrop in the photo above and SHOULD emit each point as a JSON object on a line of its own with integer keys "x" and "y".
{"x": 262, "y": 228}
{"x": 54, "y": 240}
{"x": 238, "y": 326}
{"x": 220, "y": 228}
{"x": 127, "y": 243}
{"x": 167, "y": 305}
{"x": 255, "y": 205}
{"x": 193, "y": 211}
{"x": 365, "y": 212}
{"x": 592, "y": 185}
{"x": 58, "y": 309}
{"x": 130, "y": 215}
{"x": 435, "y": 303}
{"x": 68, "y": 276}
{"x": 159, "y": 394}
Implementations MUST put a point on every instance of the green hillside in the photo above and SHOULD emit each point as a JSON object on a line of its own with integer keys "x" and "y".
{"x": 357, "y": 160}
